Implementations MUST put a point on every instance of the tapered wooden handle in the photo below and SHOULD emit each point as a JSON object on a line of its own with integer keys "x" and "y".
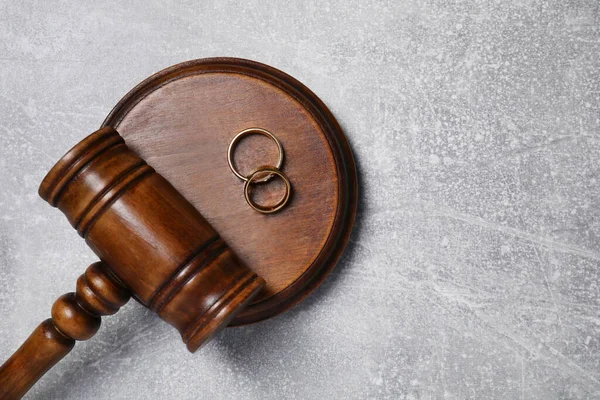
{"x": 75, "y": 316}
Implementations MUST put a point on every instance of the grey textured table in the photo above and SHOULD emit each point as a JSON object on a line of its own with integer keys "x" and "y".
{"x": 473, "y": 271}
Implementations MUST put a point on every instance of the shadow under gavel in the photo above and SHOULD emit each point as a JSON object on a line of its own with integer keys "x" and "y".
{"x": 154, "y": 246}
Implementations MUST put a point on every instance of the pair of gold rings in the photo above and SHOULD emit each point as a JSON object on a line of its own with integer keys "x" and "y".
{"x": 261, "y": 174}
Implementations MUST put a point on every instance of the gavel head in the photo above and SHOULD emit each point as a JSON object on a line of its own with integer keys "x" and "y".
{"x": 152, "y": 239}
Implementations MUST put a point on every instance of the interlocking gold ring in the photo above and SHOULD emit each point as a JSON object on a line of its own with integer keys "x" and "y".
{"x": 235, "y": 141}
{"x": 281, "y": 203}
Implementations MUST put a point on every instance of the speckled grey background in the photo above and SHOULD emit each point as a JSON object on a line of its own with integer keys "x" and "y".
{"x": 473, "y": 272}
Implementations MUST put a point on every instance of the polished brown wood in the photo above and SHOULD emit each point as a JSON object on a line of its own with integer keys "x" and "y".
{"x": 150, "y": 233}
{"x": 154, "y": 245}
{"x": 75, "y": 316}
{"x": 182, "y": 119}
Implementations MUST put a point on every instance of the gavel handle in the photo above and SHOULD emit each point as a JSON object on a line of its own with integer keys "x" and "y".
{"x": 75, "y": 316}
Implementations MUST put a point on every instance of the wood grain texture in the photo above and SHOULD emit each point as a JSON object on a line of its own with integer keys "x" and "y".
{"x": 182, "y": 119}
{"x": 154, "y": 245}
{"x": 150, "y": 237}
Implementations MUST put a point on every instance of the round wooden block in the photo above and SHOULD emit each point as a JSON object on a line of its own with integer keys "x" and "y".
{"x": 181, "y": 121}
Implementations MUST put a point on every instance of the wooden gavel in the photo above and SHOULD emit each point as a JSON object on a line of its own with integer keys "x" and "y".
{"x": 153, "y": 245}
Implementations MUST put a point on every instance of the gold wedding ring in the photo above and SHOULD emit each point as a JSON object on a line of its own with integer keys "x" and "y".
{"x": 262, "y": 174}
{"x": 236, "y": 140}
{"x": 280, "y": 204}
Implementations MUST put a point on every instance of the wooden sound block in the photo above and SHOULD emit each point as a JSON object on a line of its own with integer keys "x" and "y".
{"x": 181, "y": 121}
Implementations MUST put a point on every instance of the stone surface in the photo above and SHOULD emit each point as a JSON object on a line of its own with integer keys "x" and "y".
{"x": 474, "y": 268}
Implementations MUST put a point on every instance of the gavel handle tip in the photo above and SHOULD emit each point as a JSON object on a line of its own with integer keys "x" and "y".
{"x": 40, "y": 352}
{"x": 75, "y": 316}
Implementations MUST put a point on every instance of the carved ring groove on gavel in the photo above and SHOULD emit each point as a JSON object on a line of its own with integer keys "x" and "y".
{"x": 154, "y": 246}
